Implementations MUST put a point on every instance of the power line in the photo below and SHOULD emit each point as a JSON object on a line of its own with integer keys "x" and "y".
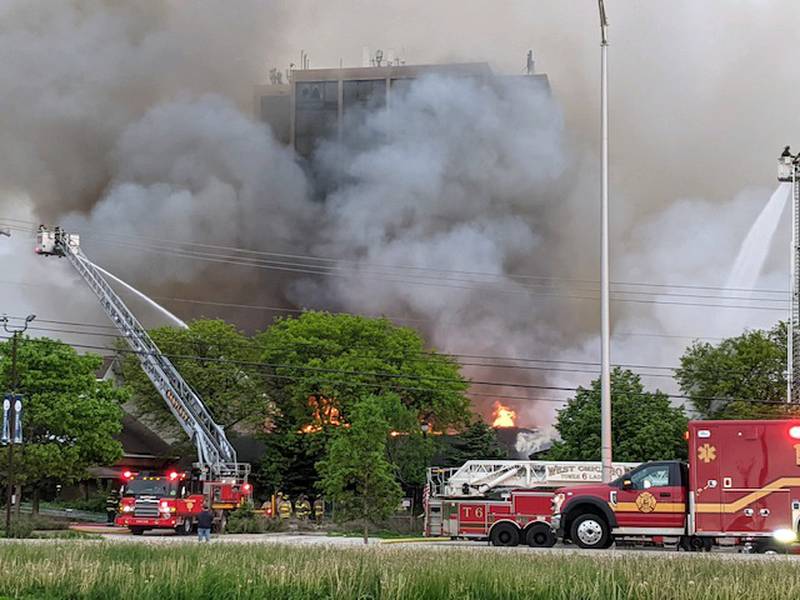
{"x": 403, "y": 376}
{"x": 461, "y": 358}
{"x": 286, "y": 309}
{"x": 337, "y": 269}
{"x": 461, "y": 363}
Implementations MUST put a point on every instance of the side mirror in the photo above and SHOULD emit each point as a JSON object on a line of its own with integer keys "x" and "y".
{"x": 627, "y": 484}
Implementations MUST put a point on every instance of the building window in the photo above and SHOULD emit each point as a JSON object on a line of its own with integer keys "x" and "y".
{"x": 316, "y": 113}
{"x": 369, "y": 94}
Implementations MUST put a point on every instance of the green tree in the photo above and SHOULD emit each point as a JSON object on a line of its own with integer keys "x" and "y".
{"x": 70, "y": 418}
{"x": 477, "y": 442}
{"x": 645, "y": 426}
{"x": 723, "y": 380}
{"x": 320, "y": 365}
{"x": 218, "y": 361}
{"x": 356, "y": 474}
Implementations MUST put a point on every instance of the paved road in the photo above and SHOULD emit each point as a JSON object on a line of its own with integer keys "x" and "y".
{"x": 310, "y": 539}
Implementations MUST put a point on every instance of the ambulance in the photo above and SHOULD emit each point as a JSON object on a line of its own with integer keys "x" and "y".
{"x": 740, "y": 486}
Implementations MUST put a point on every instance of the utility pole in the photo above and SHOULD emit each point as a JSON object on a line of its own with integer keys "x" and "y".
{"x": 788, "y": 170}
{"x": 12, "y": 410}
{"x": 605, "y": 326}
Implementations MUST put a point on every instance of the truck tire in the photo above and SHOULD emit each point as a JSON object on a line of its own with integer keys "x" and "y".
{"x": 590, "y": 531}
{"x": 137, "y": 530}
{"x": 184, "y": 528}
{"x": 695, "y": 543}
{"x": 540, "y": 535}
{"x": 504, "y": 534}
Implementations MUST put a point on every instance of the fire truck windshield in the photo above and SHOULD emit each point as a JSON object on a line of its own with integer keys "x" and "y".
{"x": 152, "y": 487}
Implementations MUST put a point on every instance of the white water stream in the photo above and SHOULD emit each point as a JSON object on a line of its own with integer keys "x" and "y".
{"x": 141, "y": 295}
{"x": 754, "y": 250}
{"x": 753, "y": 253}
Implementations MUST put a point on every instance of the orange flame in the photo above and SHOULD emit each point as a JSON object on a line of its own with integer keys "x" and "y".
{"x": 504, "y": 416}
{"x": 323, "y": 412}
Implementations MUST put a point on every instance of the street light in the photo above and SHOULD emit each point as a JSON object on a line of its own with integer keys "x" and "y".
{"x": 605, "y": 327}
{"x": 12, "y": 411}
{"x": 788, "y": 170}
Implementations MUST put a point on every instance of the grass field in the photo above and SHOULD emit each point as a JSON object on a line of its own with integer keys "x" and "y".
{"x": 135, "y": 571}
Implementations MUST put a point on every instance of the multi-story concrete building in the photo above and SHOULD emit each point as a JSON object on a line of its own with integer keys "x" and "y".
{"x": 313, "y": 105}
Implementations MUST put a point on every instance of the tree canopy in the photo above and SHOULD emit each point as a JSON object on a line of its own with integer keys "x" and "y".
{"x": 70, "y": 418}
{"x": 355, "y": 474}
{"x": 320, "y": 365}
{"x": 645, "y": 426}
{"x": 728, "y": 380}
{"x": 476, "y": 442}
{"x": 218, "y": 361}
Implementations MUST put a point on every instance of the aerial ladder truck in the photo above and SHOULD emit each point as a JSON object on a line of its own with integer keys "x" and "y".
{"x": 507, "y": 502}
{"x": 156, "y": 500}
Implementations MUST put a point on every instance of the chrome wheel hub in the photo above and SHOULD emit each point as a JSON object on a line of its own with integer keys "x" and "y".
{"x": 590, "y": 532}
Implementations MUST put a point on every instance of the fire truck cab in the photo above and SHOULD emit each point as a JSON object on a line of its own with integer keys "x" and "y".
{"x": 741, "y": 485}
{"x": 173, "y": 500}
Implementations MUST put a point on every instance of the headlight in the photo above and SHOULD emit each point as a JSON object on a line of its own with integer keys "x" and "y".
{"x": 127, "y": 508}
{"x": 784, "y": 536}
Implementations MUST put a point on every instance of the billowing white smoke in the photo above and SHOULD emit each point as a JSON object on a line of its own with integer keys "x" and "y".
{"x": 691, "y": 243}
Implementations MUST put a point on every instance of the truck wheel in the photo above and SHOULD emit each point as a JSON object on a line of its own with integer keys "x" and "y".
{"x": 590, "y": 531}
{"x": 695, "y": 543}
{"x": 771, "y": 547}
{"x": 184, "y": 528}
{"x": 540, "y": 536}
{"x": 504, "y": 534}
{"x": 137, "y": 530}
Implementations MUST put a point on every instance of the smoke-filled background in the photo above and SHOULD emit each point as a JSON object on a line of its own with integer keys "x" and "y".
{"x": 469, "y": 211}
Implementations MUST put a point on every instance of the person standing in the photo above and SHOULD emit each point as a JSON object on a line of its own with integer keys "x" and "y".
{"x": 112, "y": 505}
{"x": 205, "y": 520}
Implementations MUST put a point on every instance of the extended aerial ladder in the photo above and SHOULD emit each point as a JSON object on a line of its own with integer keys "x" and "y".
{"x": 216, "y": 456}
{"x": 479, "y": 477}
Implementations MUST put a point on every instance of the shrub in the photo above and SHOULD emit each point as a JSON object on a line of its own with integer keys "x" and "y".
{"x": 43, "y": 523}
{"x": 23, "y": 526}
{"x": 245, "y": 520}
{"x": 94, "y": 503}
{"x": 20, "y": 528}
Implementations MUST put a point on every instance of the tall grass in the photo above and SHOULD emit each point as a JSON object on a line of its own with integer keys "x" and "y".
{"x": 106, "y": 571}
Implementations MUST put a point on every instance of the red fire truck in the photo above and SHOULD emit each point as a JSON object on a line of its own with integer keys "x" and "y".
{"x": 173, "y": 500}
{"x": 741, "y": 486}
{"x": 507, "y": 502}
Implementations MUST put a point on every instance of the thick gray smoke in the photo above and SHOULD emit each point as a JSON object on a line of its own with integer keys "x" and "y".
{"x": 197, "y": 170}
{"x": 77, "y": 74}
{"x": 132, "y": 119}
{"x": 451, "y": 185}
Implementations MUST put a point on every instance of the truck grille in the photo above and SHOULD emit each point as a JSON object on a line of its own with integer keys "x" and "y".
{"x": 145, "y": 508}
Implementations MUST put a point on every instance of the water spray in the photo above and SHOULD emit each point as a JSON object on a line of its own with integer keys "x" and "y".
{"x": 141, "y": 295}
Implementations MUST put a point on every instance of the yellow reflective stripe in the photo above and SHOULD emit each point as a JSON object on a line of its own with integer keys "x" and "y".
{"x": 662, "y": 507}
{"x": 736, "y": 506}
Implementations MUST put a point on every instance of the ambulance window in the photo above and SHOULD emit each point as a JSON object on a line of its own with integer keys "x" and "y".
{"x": 652, "y": 476}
